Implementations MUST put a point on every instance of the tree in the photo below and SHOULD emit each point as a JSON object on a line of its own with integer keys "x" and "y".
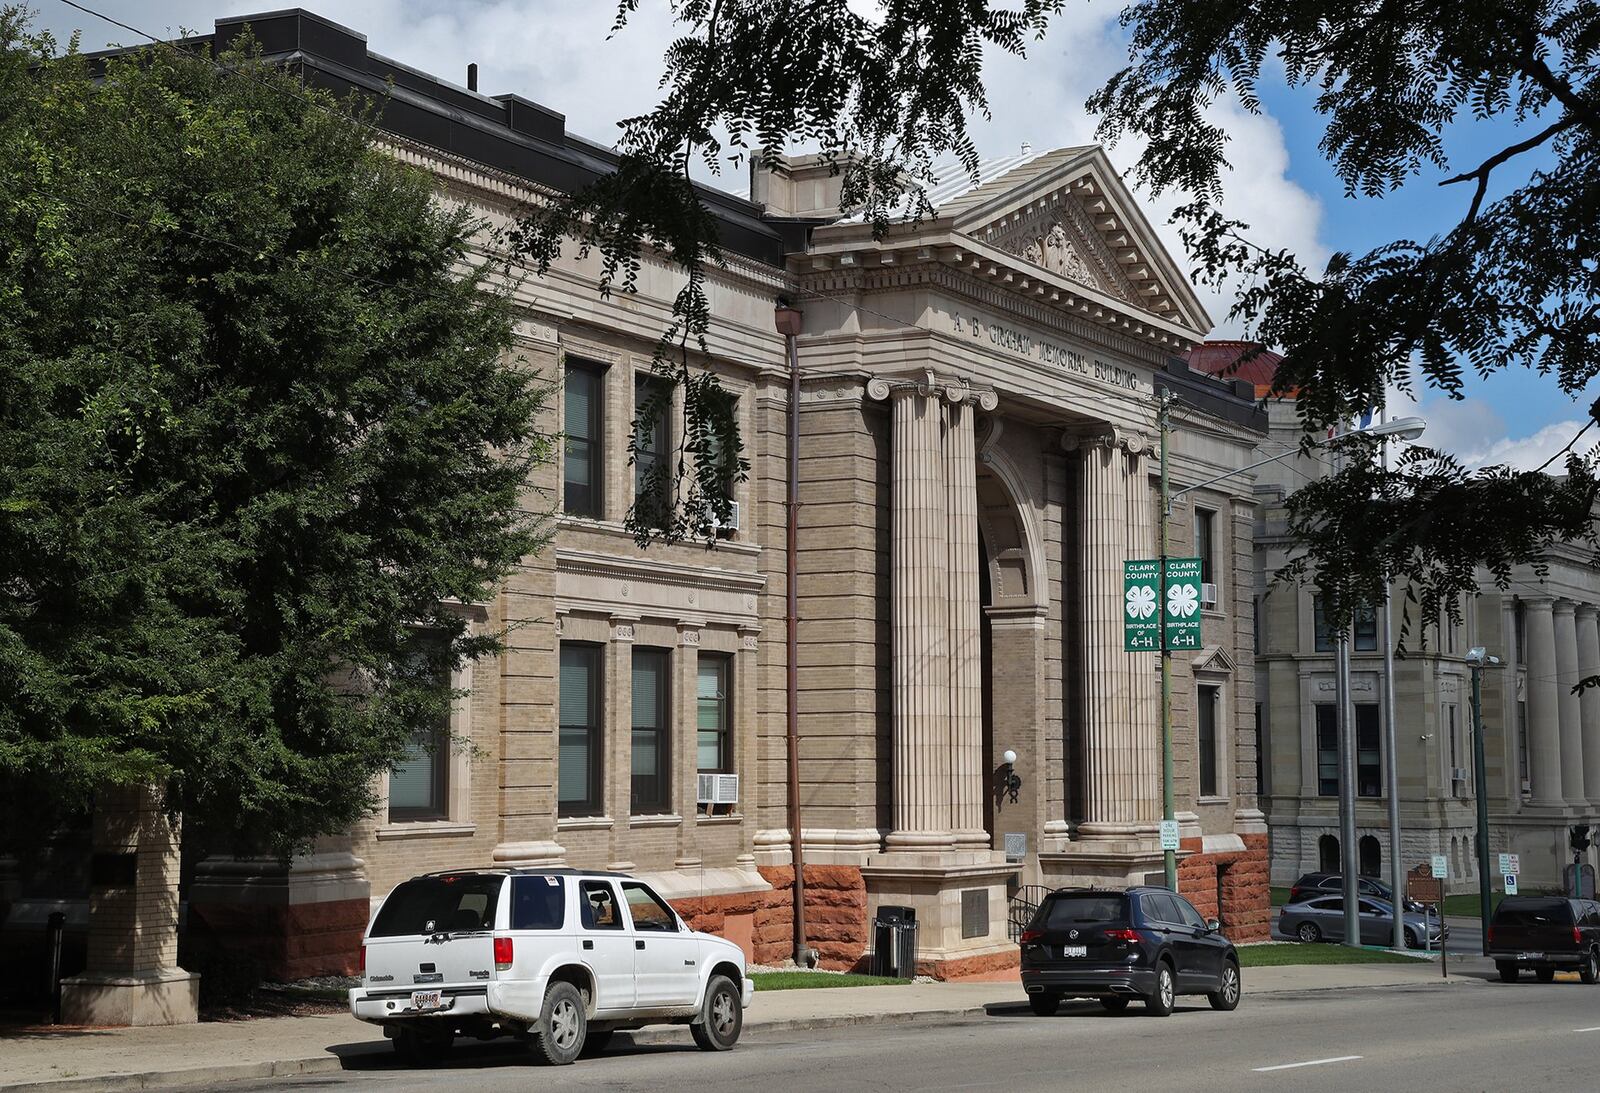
{"x": 257, "y": 428}
{"x": 1514, "y": 284}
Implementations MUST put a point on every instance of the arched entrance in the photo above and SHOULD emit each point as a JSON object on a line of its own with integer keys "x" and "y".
{"x": 1013, "y": 657}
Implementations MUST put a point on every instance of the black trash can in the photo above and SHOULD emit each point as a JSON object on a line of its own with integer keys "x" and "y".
{"x": 894, "y": 942}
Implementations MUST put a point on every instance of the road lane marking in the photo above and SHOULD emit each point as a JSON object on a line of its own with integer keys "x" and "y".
{"x": 1311, "y": 1062}
{"x": 1594, "y": 1028}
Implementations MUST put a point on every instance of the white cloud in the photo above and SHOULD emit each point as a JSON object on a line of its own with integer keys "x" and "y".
{"x": 1528, "y": 452}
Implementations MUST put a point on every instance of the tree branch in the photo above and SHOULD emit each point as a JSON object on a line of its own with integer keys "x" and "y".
{"x": 1487, "y": 166}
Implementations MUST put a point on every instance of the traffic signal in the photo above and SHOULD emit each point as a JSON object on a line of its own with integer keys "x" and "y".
{"x": 1578, "y": 836}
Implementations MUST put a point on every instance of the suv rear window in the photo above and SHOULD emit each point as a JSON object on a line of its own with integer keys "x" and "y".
{"x": 461, "y": 903}
{"x": 1534, "y": 912}
{"x": 1074, "y": 910}
{"x": 538, "y": 903}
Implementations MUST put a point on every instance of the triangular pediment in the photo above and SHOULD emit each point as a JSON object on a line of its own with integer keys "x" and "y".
{"x": 1213, "y": 660}
{"x": 1069, "y": 213}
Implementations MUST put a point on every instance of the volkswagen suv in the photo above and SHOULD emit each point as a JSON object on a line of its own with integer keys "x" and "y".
{"x": 1145, "y": 943}
{"x": 558, "y": 957}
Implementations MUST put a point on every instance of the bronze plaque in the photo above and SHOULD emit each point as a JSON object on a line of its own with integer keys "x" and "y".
{"x": 1423, "y": 886}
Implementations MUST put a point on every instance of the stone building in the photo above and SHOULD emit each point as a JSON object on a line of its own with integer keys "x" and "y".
{"x": 1540, "y": 740}
{"x": 977, "y": 437}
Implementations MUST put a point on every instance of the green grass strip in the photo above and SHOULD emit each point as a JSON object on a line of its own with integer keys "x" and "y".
{"x": 798, "y": 981}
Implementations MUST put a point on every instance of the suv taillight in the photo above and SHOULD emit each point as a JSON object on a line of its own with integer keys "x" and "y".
{"x": 1488, "y": 939}
{"x": 363, "y": 959}
{"x": 1122, "y": 935}
{"x": 1577, "y": 937}
{"x": 1030, "y": 936}
{"x": 502, "y": 954}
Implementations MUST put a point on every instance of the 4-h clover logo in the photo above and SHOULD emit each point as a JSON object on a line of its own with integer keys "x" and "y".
{"x": 1182, "y": 600}
{"x": 1141, "y": 601}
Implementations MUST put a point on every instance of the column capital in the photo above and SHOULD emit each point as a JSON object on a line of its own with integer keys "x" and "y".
{"x": 1588, "y": 611}
{"x": 1538, "y": 603}
{"x": 622, "y": 627}
{"x": 1565, "y": 607}
{"x": 929, "y": 385}
{"x": 1101, "y": 435}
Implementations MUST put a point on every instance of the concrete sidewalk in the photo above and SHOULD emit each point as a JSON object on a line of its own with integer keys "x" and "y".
{"x": 106, "y": 1060}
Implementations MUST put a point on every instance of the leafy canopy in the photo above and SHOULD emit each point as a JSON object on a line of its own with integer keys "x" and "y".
{"x": 257, "y": 428}
{"x": 1513, "y": 285}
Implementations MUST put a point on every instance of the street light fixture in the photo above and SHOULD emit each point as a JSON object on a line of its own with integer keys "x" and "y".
{"x": 1478, "y": 658}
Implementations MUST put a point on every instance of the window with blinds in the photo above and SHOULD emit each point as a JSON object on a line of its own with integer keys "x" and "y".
{"x": 714, "y": 751}
{"x": 581, "y": 468}
{"x": 1327, "y": 750}
{"x": 581, "y": 740}
{"x": 419, "y": 781}
{"x": 650, "y": 716}
{"x": 652, "y": 441}
{"x": 1207, "y": 726}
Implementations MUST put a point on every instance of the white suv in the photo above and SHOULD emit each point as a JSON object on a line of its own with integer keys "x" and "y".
{"x": 560, "y": 957}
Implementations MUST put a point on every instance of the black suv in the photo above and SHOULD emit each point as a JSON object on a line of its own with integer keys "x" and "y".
{"x": 1145, "y": 943}
{"x": 1545, "y": 933}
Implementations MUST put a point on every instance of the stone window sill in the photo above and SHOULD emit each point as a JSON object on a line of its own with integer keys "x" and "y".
{"x": 1212, "y": 800}
{"x": 730, "y": 818}
{"x": 426, "y": 829}
{"x": 655, "y": 821}
{"x": 584, "y": 823}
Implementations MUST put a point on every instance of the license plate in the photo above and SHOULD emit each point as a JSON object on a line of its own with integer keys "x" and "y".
{"x": 1074, "y": 950}
{"x": 1530, "y": 956}
{"x": 426, "y": 1000}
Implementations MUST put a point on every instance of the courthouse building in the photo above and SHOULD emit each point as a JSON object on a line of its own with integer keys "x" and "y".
{"x": 977, "y": 460}
{"x": 1541, "y": 741}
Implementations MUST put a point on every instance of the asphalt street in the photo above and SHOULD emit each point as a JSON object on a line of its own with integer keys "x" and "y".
{"x": 1467, "y": 1035}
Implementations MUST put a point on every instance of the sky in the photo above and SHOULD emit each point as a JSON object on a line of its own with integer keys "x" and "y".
{"x": 561, "y": 53}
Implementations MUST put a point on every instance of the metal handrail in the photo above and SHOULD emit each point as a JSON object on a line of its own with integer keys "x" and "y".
{"x": 1022, "y": 908}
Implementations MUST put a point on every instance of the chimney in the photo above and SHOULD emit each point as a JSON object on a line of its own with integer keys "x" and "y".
{"x": 472, "y": 77}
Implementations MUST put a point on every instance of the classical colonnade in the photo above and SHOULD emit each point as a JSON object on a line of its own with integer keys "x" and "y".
{"x": 1563, "y": 640}
{"x": 939, "y": 771}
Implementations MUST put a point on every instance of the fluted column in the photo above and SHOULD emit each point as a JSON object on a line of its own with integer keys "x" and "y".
{"x": 1588, "y": 623}
{"x": 1544, "y": 710}
{"x": 1141, "y": 670}
{"x": 1114, "y": 741}
{"x": 966, "y": 638}
{"x": 919, "y": 612}
{"x": 1568, "y": 705}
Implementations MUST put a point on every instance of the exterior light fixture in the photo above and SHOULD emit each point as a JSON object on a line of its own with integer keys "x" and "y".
{"x": 1007, "y": 780}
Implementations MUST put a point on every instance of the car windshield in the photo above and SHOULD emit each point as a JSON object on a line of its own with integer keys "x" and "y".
{"x": 1061, "y": 911}
{"x": 461, "y": 903}
{"x": 1544, "y": 912}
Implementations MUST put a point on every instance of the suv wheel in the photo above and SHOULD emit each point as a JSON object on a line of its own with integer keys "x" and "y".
{"x": 721, "y": 1016}
{"x": 1227, "y": 996}
{"x": 1308, "y": 932}
{"x": 1411, "y": 940}
{"x": 1159, "y": 1004}
{"x": 1507, "y": 970}
{"x": 563, "y": 1024}
{"x": 1590, "y": 972}
{"x": 1045, "y": 1003}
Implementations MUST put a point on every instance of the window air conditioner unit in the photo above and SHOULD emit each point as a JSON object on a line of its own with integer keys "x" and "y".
{"x": 716, "y": 789}
{"x": 705, "y": 792}
{"x": 724, "y": 527}
{"x": 1208, "y": 595}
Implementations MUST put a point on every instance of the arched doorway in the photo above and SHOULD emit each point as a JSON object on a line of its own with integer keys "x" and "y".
{"x": 1328, "y": 854}
{"x": 1371, "y": 855}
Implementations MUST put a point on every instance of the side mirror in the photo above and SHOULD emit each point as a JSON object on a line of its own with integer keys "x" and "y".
{"x": 1213, "y": 925}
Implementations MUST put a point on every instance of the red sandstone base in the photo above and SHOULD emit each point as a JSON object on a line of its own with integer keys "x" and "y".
{"x": 1231, "y": 886}
{"x": 288, "y": 941}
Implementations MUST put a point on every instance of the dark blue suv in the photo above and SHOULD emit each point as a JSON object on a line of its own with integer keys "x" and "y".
{"x": 1145, "y": 943}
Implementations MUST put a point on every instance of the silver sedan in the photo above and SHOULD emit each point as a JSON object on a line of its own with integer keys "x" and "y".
{"x": 1323, "y": 919}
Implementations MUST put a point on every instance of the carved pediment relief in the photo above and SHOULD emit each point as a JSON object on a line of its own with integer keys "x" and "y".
{"x": 1058, "y": 235}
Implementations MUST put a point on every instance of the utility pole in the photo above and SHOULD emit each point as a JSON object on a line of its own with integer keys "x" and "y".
{"x": 1348, "y": 860}
{"x": 1391, "y": 761}
{"x": 1170, "y": 857}
{"x": 1478, "y": 658}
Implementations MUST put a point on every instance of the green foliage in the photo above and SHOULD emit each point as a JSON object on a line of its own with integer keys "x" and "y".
{"x": 882, "y": 98}
{"x": 256, "y": 429}
{"x": 1512, "y": 285}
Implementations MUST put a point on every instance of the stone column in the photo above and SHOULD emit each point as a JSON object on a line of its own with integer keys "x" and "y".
{"x": 1544, "y": 708}
{"x": 1141, "y": 670}
{"x": 919, "y": 611}
{"x": 1588, "y": 623}
{"x": 1568, "y": 705}
{"x": 966, "y": 635}
{"x": 682, "y": 746}
{"x": 132, "y": 976}
{"x": 1112, "y": 739}
{"x": 616, "y": 768}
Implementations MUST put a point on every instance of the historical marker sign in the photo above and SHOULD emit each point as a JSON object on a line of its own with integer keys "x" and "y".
{"x": 1143, "y": 611}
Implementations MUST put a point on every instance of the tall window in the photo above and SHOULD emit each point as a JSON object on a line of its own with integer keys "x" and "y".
{"x": 581, "y": 468}
{"x": 1520, "y": 626}
{"x": 1322, "y": 633}
{"x": 419, "y": 781}
{"x": 1205, "y": 539}
{"x": 1327, "y": 750}
{"x": 1370, "y": 856}
{"x": 1452, "y": 729}
{"x": 1369, "y": 764}
{"x": 714, "y": 751}
{"x": 1328, "y": 854}
{"x": 649, "y": 730}
{"x": 1206, "y": 725}
{"x": 581, "y": 734}
{"x": 652, "y": 443}
{"x": 1262, "y": 788}
{"x": 1366, "y": 628}
{"x": 1522, "y": 742}
{"x": 1366, "y": 637}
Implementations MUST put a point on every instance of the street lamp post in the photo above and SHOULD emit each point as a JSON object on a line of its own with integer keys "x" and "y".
{"x": 1405, "y": 428}
{"x": 1478, "y": 658}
